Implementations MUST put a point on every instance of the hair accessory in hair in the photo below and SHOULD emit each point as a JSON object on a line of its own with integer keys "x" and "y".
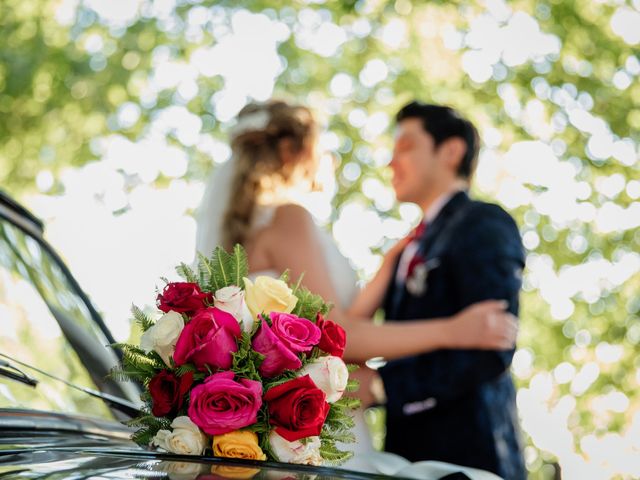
{"x": 251, "y": 122}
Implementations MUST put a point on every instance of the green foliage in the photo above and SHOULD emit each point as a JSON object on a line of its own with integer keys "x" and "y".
{"x": 190, "y": 368}
{"x": 246, "y": 360}
{"x": 205, "y": 273}
{"x": 148, "y": 428}
{"x": 337, "y": 428}
{"x": 352, "y": 386}
{"x": 285, "y": 276}
{"x": 332, "y": 454}
{"x": 137, "y": 365}
{"x": 187, "y": 273}
{"x": 224, "y": 269}
{"x": 143, "y": 321}
{"x": 309, "y": 304}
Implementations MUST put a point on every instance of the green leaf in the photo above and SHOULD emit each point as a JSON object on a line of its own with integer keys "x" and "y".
{"x": 136, "y": 363}
{"x": 333, "y": 455}
{"x": 186, "y": 273}
{"x": 285, "y": 277}
{"x": 141, "y": 319}
{"x": 309, "y": 304}
{"x": 348, "y": 403}
{"x": 352, "y": 385}
{"x": 246, "y": 360}
{"x": 239, "y": 265}
{"x": 205, "y": 272}
{"x": 221, "y": 265}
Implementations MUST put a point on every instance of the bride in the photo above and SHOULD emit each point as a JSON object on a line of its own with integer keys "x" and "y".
{"x": 247, "y": 202}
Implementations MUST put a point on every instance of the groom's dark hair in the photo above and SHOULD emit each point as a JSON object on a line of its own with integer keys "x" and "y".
{"x": 442, "y": 123}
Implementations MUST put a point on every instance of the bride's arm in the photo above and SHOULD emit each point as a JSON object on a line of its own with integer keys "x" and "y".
{"x": 484, "y": 325}
{"x": 369, "y": 299}
{"x": 292, "y": 243}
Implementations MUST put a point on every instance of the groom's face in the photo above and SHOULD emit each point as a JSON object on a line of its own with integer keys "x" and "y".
{"x": 414, "y": 163}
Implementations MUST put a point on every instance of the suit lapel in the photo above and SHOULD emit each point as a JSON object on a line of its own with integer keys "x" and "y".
{"x": 429, "y": 236}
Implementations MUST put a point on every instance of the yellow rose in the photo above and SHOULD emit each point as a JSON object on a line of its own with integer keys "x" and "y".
{"x": 238, "y": 444}
{"x": 268, "y": 295}
{"x": 239, "y": 473}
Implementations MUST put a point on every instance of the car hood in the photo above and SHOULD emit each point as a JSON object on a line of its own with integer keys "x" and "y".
{"x": 45, "y": 445}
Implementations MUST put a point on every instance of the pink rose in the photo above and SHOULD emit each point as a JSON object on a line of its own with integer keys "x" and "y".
{"x": 222, "y": 404}
{"x": 299, "y": 334}
{"x": 278, "y": 357}
{"x": 208, "y": 339}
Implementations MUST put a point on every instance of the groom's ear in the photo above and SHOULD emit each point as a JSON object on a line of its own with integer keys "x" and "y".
{"x": 452, "y": 151}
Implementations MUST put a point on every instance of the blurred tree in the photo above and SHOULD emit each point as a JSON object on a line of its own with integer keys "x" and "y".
{"x": 552, "y": 85}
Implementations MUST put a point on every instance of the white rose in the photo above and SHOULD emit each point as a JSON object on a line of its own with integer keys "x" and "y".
{"x": 330, "y": 375}
{"x": 231, "y": 300}
{"x": 185, "y": 439}
{"x": 307, "y": 453}
{"x": 162, "y": 337}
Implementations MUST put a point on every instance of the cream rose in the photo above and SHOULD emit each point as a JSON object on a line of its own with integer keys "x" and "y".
{"x": 305, "y": 451}
{"x": 185, "y": 438}
{"x": 162, "y": 337}
{"x": 238, "y": 444}
{"x": 330, "y": 375}
{"x": 231, "y": 300}
{"x": 268, "y": 295}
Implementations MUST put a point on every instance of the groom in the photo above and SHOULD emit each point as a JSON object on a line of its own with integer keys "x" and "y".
{"x": 455, "y": 406}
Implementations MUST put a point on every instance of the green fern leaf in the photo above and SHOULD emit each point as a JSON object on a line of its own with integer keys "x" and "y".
{"x": 352, "y": 386}
{"x": 141, "y": 319}
{"x": 186, "y": 273}
{"x": 221, "y": 269}
{"x": 239, "y": 265}
{"x": 332, "y": 454}
{"x": 285, "y": 277}
{"x": 205, "y": 271}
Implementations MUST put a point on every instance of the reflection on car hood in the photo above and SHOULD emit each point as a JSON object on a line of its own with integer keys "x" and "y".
{"x": 43, "y": 445}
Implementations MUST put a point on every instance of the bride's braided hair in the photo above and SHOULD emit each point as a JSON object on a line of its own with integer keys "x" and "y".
{"x": 259, "y": 168}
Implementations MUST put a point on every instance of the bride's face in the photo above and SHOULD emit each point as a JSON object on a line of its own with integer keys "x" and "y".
{"x": 307, "y": 164}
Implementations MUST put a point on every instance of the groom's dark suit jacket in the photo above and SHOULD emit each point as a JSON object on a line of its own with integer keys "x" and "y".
{"x": 458, "y": 406}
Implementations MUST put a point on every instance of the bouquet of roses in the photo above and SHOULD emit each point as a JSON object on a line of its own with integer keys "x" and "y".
{"x": 247, "y": 369}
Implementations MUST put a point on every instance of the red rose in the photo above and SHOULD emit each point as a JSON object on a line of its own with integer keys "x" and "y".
{"x": 183, "y": 297}
{"x": 168, "y": 391}
{"x": 297, "y": 408}
{"x": 333, "y": 339}
{"x": 209, "y": 338}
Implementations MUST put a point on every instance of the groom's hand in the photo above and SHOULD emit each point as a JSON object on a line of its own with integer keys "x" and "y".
{"x": 484, "y": 325}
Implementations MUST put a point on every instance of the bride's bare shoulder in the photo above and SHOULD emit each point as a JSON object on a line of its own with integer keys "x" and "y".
{"x": 291, "y": 216}
{"x": 291, "y": 225}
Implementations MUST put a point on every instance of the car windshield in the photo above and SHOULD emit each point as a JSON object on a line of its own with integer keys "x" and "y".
{"x": 45, "y": 323}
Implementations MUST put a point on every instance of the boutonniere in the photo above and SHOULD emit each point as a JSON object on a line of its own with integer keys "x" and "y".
{"x": 417, "y": 274}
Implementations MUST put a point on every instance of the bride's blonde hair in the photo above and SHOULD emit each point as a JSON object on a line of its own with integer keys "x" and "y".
{"x": 259, "y": 168}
